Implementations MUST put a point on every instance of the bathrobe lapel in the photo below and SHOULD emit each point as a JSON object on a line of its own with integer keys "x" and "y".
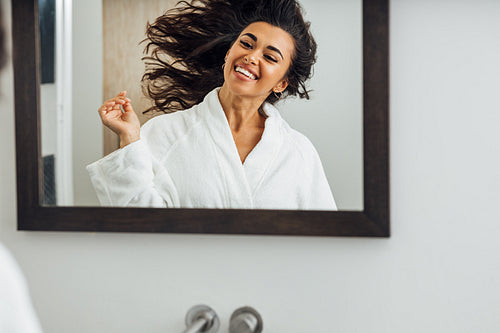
{"x": 237, "y": 188}
{"x": 262, "y": 156}
{"x": 242, "y": 180}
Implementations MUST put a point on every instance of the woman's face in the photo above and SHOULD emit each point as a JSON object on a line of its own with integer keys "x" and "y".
{"x": 257, "y": 62}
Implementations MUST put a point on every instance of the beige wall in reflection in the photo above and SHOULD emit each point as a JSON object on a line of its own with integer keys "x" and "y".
{"x": 124, "y": 27}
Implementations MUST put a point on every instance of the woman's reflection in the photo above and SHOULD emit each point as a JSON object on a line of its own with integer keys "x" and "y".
{"x": 225, "y": 64}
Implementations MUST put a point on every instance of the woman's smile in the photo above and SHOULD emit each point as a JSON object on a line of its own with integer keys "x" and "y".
{"x": 245, "y": 73}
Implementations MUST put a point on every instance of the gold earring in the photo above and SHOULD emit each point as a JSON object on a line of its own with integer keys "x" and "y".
{"x": 280, "y": 96}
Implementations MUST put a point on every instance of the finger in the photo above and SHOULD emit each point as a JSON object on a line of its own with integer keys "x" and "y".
{"x": 127, "y": 107}
{"x": 122, "y": 100}
{"x": 109, "y": 102}
{"x": 121, "y": 94}
{"x": 107, "y": 105}
{"x": 119, "y": 101}
{"x": 102, "y": 110}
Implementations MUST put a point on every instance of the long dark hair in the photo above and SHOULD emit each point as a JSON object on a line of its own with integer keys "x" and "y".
{"x": 187, "y": 45}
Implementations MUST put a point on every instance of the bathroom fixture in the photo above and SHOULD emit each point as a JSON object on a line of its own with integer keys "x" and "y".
{"x": 201, "y": 319}
{"x": 245, "y": 320}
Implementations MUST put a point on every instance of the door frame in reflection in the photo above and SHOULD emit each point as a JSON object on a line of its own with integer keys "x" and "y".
{"x": 56, "y": 96}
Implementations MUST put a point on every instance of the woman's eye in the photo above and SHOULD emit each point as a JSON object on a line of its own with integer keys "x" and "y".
{"x": 245, "y": 44}
{"x": 268, "y": 57}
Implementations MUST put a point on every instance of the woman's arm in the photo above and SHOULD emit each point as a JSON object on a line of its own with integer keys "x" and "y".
{"x": 130, "y": 176}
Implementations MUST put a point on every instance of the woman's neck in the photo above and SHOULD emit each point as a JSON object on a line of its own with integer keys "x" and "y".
{"x": 241, "y": 112}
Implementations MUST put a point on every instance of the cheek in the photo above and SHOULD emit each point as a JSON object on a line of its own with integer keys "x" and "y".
{"x": 279, "y": 73}
{"x": 232, "y": 53}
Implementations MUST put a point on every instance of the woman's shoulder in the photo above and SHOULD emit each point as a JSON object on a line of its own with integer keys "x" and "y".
{"x": 295, "y": 140}
{"x": 172, "y": 125}
{"x": 300, "y": 143}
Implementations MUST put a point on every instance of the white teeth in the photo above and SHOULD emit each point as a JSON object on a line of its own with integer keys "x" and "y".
{"x": 245, "y": 72}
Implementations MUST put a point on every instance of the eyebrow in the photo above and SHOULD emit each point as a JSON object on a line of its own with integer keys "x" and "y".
{"x": 270, "y": 47}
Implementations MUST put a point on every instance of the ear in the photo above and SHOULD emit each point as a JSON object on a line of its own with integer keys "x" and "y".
{"x": 281, "y": 86}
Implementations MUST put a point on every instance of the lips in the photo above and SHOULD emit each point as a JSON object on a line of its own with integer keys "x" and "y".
{"x": 247, "y": 72}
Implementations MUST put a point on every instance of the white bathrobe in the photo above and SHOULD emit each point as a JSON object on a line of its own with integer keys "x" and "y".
{"x": 189, "y": 159}
{"x": 17, "y": 314}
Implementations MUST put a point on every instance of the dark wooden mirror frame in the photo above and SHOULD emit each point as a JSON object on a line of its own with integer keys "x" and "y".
{"x": 373, "y": 221}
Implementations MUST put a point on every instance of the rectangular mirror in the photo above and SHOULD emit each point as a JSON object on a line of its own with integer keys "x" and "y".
{"x": 346, "y": 119}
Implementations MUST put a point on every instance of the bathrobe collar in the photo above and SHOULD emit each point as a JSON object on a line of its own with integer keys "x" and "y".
{"x": 261, "y": 157}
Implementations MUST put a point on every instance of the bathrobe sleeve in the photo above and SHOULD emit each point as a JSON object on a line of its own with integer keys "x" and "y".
{"x": 17, "y": 314}
{"x": 320, "y": 195}
{"x": 131, "y": 176}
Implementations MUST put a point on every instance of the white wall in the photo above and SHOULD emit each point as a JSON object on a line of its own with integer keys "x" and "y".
{"x": 439, "y": 272}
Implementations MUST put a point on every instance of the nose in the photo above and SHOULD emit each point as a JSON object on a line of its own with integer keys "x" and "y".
{"x": 250, "y": 59}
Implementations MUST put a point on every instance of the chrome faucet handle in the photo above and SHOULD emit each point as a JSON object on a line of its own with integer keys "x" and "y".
{"x": 202, "y": 319}
{"x": 245, "y": 320}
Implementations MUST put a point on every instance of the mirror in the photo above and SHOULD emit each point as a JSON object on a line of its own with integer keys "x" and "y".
{"x": 364, "y": 219}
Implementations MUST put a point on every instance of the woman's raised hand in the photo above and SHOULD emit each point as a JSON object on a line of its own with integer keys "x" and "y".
{"x": 124, "y": 123}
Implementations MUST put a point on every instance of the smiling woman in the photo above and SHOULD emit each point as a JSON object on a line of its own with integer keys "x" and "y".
{"x": 230, "y": 148}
